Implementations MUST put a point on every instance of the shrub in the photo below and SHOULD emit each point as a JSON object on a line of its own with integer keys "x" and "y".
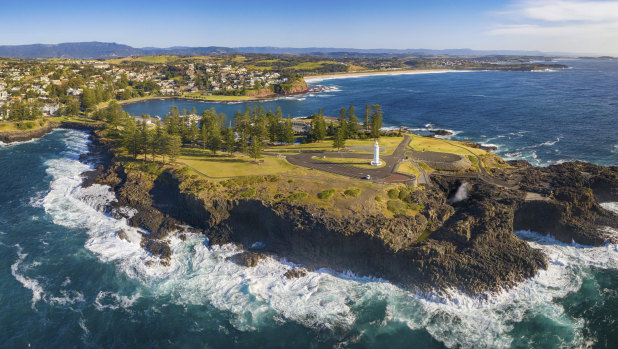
{"x": 248, "y": 193}
{"x": 395, "y": 206}
{"x": 248, "y": 181}
{"x": 352, "y": 192}
{"x": 393, "y": 194}
{"x": 297, "y": 196}
{"x": 404, "y": 195}
{"x": 326, "y": 194}
{"x": 25, "y": 125}
{"x": 416, "y": 207}
{"x": 378, "y": 198}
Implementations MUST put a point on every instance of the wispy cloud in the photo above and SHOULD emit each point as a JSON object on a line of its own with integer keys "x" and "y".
{"x": 561, "y": 11}
{"x": 578, "y": 25}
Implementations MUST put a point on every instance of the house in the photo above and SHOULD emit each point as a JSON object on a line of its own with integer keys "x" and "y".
{"x": 74, "y": 92}
{"x": 50, "y": 109}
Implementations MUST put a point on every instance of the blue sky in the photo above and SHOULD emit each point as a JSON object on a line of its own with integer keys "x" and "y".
{"x": 579, "y": 26}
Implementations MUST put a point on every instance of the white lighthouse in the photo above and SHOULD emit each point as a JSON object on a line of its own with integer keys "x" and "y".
{"x": 376, "y": 155}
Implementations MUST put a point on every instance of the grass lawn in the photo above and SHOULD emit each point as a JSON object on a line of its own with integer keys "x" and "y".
{"x": 387, "y": 145}
{"x": 426, "y": 167}
{"x": 223, "y": 166}
{"x": 364, "y": 146}
{"x": 360, "y": 163}
{"x": 355, "y": 68}
{"x": 157, "y": 59}
{"x": 24, "y": 125}
{"x": 310, "y": 65}
{"x": 420, "y": 143}
{"x": 407, "y": 168}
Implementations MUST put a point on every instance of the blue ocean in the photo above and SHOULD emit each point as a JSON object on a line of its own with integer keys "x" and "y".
{"x": 66, "y": 280}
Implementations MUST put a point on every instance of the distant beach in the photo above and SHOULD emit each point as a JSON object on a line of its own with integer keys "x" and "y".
{"x": 316, "y": 78}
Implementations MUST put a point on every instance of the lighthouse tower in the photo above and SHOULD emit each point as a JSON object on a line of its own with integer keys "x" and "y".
{"x": 376, "y": 155}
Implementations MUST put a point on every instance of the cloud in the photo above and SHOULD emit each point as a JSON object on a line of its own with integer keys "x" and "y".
{"x": 561, "y": 11}
{"x": 568, "y": 25}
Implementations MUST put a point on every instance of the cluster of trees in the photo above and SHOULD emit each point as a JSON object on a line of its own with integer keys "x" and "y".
{"x": 349, "y": 125}
{"x": 22, "y": 110}
{"x": 249, "y": 133}
{"x": 255, "y": 127}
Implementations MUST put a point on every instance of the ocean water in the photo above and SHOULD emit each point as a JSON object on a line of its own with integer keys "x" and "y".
{"x": 66, "y": 280}
{"x": 544, "y": 117}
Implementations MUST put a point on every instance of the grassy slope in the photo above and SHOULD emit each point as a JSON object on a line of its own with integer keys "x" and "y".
{"x": 159, "y": 59}
{"x": 388, "y": 145}
{"x": 360, "y": 163}
{"x": 407, "y": 168}
{"x": 223, "y": 165}
{"x": 420, "y": 143}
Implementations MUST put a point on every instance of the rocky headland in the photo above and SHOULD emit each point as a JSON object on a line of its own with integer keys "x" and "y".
{"x": 455, "y": 241}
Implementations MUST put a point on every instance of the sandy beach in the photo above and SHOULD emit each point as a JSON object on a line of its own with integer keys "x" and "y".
{"x": 315, "y": 78}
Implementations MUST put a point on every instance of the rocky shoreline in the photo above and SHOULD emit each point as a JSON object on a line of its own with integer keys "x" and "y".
{"x": 9, "y": 137}
{"x": 27, "y": 135}
{"x": 472, "y": 246}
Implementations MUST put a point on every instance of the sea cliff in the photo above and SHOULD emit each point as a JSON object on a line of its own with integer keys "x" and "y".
{"x": 466, "y": 243}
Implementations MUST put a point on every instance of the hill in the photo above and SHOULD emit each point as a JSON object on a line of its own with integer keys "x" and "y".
{"x": 96, "y": 50}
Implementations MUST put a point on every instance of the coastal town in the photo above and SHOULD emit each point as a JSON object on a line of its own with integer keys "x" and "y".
{"x": 31, "y": 89}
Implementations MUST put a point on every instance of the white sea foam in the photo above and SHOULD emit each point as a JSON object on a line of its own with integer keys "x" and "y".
{"x": 610, "y": 206}
{"x": 490, "y": 145}
{"x": 111, "y": 300}
{"x": 461, "y": 193}
{"x": 31, "y": 284}
{"x": 547, "y": 143}
{"x": 67, "y": 298}
{"x": 258, "y": 296}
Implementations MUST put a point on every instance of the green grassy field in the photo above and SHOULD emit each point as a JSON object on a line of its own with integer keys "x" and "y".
{"x": 158, "y": 59}
{"x": 364, "y": 146}
{"x": 407, "y": 168}
{"x": 223, "y": 166}
{"x": 420, "y": 143}
{"x": 311, "y": 65}
{"x": 360, "y": 163}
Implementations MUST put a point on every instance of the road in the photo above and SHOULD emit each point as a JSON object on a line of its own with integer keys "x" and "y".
{"x": 312, "y": 160}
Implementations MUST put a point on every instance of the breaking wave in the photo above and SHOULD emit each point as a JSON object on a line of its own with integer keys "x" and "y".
{"x": 254, "y": 297}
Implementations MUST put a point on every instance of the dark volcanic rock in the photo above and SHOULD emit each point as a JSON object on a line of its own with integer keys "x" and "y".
{"x": 248, "y": 258}
{"x": 570, "y": 211}
{"x": 122, "y": 235}
{"x": 157, "y": 248}
{"x": 295, "y": 273}
{"x": 441, "y": 132}
{"x": 471, "y": 245}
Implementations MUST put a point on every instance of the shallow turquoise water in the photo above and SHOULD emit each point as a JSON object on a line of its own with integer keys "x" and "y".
{"x": 67, "y": 281}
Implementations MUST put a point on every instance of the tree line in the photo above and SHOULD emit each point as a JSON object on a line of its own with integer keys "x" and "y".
{"x": 248, "y": 132}
{"x": 349, "y": 126}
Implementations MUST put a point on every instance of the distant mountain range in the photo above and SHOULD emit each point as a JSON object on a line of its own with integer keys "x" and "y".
{"x": 100, "y": 50}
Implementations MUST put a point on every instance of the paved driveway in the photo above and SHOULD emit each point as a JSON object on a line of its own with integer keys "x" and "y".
{"x": 306, "y": 159}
